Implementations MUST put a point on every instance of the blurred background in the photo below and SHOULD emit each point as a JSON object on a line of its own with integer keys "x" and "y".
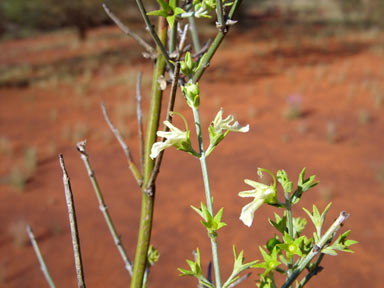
{"x": 308, "y": 76}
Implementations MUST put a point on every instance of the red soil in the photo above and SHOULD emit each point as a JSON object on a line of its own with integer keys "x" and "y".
{"x": 338, "y": 137}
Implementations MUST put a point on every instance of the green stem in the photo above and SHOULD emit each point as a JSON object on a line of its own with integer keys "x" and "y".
{"x": 317, "y": 248}
{"x": 173, "y": 36}
{"x": 314, "y": 272}
{"x": 172, "y": 39}
{"x": 148, "y": 192}
{"x": 194, "y": 34}
{"x": 215, "y": 45}
{"x": 290, "y": 228}
{"x": 220, "y": 15}
{"x": 204, "y": 170}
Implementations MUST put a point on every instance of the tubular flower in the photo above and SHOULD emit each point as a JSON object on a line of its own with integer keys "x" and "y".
{"x": 262, "y": 194}
{"x": 175, "y": 137}
{"x": 220, "y": 127}
{"x": 219, "y": 124}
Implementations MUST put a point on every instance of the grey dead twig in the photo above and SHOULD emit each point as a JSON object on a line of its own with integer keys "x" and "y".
{"x": 132, "y": 166}
{"x": 81, "y": 147}
{"x": 43, "y": 266}
{"x": 73, "y": 224}
{"x": 151, "y": 52}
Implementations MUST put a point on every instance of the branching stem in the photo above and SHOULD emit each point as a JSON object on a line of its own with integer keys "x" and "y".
{"x": 151, "y": 51}
{"x": 215, "y": 44}
{"x": 132, "y": 166}
{"x": 81, "y": 147}
{"x": 155, "y": 36}
{"x": 317, "y": 248}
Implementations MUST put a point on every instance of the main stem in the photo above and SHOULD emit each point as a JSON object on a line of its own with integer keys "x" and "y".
{"x": 204, "y": 170}
{"x": 147, "y": 203}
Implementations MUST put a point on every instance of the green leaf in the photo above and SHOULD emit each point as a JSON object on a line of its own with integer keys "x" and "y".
{"x": 164, "y": 5}
{"x": 267, "y": 281}
{"x": 280, "y": 224}
{"x": 340, "y": 244}
{"x": 329, "y": 251}
{"x": 162, "y": 13}
{"x": 282, "y": 177}
{"x": 290, "y": 246}
{"x": 178, "y": 11}
{"x": 238, "y": 267}
{"x": 270, "y": 260}
{"x": 317, "y": 219}
{"x": 153, "y": 255}
{"x": 271, "y": 243}
{"x": 303, "y": 185}
{"x": 194, "y": 266}
{"x": 211, "y": 223}
{"x": 298, "y": 225}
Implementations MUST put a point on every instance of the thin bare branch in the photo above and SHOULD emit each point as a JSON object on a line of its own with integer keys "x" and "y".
{"x": 153, "y": 33}
{"x": 135, "y": 171}
{"x": 39, "y": 256}
{"x": 241, "y": 279}
{"x": 104, "y": 208}
{"x": 203, "y": 50}
{"x": 171, "y": 104}
{"x": 73, "y": 225}
{"x": 151, "y": 51}
{"x": 183, "y": 37}
{"x": 140, "y": 119}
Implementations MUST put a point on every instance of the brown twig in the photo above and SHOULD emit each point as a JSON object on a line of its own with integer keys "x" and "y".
{"x": 73, "y": 224}
{"x": 140, "y": 119}
{"x": 151, "y": 51}
{"x": 135, "y": 171}
{"x": 43, "y": 266}
{"x": 104, "y": 208}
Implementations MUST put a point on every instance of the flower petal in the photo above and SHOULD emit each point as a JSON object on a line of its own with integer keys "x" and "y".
{"x": 158, "y": 147}
{"x": 248, "y": 193}
{"x": 248, "y": 211}
{"x": 255, "y": 184}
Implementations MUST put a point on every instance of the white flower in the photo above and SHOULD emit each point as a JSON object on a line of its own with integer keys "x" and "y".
{"x": 219, "y": 128}
{"x": 262, "y": 194}
{"x": 175, "y": 137}
{"x": 219, "y": 124}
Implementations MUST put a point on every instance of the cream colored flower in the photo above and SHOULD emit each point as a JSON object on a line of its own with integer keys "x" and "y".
{"x": 175, "y": 137}
{"x": 219, "y": 124}
{"x": 220, "y": 127}
{"x": 262, "y": 194}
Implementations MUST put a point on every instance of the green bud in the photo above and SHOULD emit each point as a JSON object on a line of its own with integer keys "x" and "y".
{"x": 191, "y": 93}
{"x": 153, "y": 255}
{"x": 187, "y": 66}
{"x": 271, "y": 243}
